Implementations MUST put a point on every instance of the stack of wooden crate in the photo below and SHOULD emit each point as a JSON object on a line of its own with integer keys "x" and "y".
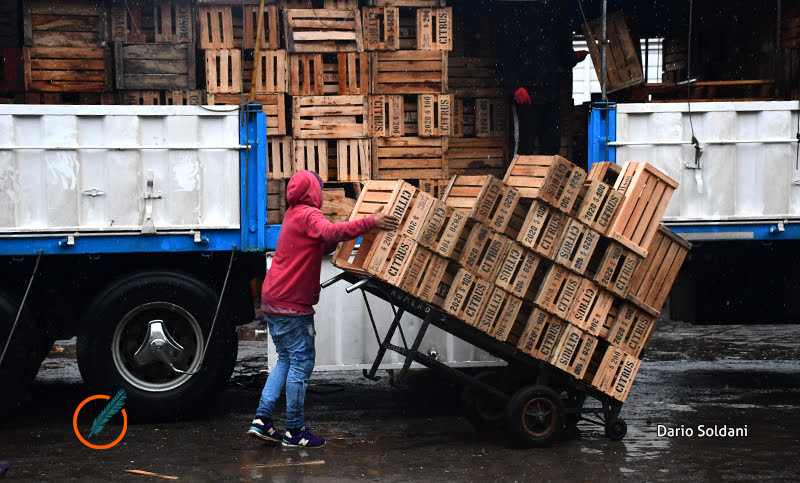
{"x": 571, "y": 269}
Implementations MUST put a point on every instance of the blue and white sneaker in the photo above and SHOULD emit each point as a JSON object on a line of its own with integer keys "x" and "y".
{"x": 264, "y": 431}
{"x": 303, "y": 439}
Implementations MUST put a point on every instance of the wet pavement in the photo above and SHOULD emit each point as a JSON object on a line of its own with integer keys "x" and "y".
{"x": 692, "y": 378}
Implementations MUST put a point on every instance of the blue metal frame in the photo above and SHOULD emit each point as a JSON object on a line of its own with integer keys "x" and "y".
{"x": 735, "y": 232}
{"x": 602, "y": 130}
{"x": 254, "y": 236}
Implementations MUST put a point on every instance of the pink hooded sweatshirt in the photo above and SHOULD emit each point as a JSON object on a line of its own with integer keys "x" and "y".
{"x": 293, "y": 279}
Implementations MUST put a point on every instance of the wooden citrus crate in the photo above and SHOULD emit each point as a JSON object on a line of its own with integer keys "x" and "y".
{"x": 437, "y": 279}
{"x": 273, "y": 105}
{"x": 605, "y": 171}
{"x": 323, "y": 30}
{"x": 616, "y": 373}
{"x": 379, "y": 251}
{"x": 541, "y": 335}
{"x": 473, "y": 77}
{"x": 467, "y": 296}
{"x": 542, "y": 229}
{"x": 224, "y": 71}
{"x": 424, "y": 115}
{"x": 66, "y": 69}
{"x": 280, "y": 157}
{"x": 395, "y": 197}
{"x": 549, "y": 178}
{"x": 617, "y": 268}
{"x": 409, "y": 72}
{"x": 475, "y": 243}
{"x": 271, "y": 77}
{"x": 480, "y": 197}
{"x": 435, "y": 29}
{"x": 434, "y": 186}
{"x": 603, "y": 314}
{"x": 64, "y": 23}
{"x": 587, "y": 301}
{"x": 414, "y": 227}
{"x": 646, "y": 192}
{"x": 558, "y": 291}
{"x": 432, "y": 28}
{"x": 443, "y": 228}
{"x": 623, "y": 65}
{"x": 419, "y": 259}
{"x": 381, "y": 28}
{"x": 623, "y": 379}
{"x": 330, "y": 117}
{"x": 520, "y": 273}
{"x": 342, "y": 160}
{"x": 577, "y": 244}
{"x": 399, "y": 260}
{"x": 343, "y": 74}
{"x": 631, "y": 329}
{"x": 479, "y": 117}
{"x": 409, "y": 158}
{"x": 155, "y": 66}
{"x": 510, "y": 324}
{"x": 598, "y": 206}
{"x": 610, "y": 360}
{"x": 574, "y": 351}
{"x": 164, "y": 21}
{"x": 494, "y": 256}
{"x": 276, "y": 201}
{"x": 492, "y": 310}
{"x": 653, "y": 280}
{"x": 161, "y": 98}
{"x": 474, "y": 156}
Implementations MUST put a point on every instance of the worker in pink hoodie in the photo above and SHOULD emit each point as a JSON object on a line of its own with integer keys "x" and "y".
{"x": 288, "y": 295}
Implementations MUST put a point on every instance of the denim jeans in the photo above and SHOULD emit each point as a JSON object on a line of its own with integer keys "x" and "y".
{"x": 294, "y": 341}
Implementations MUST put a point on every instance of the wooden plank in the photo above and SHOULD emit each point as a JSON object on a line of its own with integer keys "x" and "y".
{"x": 223, "y": 71}
{"x": 270, "y": 38}
{"x": 66, "y": 69}
{"x": 216, "y": 27}
{"x": 323, "y": 30}
{"x": 330, "y": 117}
{"x": 279, "y": 157}
{"x": 409, "y": 72}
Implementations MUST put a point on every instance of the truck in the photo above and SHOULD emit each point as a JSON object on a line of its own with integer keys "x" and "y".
{"x": 142, "y": 230}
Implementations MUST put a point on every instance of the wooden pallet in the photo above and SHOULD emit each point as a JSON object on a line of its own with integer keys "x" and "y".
{"x": 272, "y": 76}
{"x": 623, "y": 66}
{"x": 541, "y": 335}
{"x": 409, "y": 72}
{"x": 521, "y": 273}
{"x": 542, "y": 229}
{"x": 576, "y": 247}
{"x": 330, "y": 117}
{"x": 280, "y": 157}
{"x": 653, "y": 280}
{"x": 344, "y": 74}
{"x": 276, "y": 201}
{"x": 473, "y": 77}
{"x": 617, "y": 268}
{"x": 224, "y": 71}
{"x": 155, "y": 66}
{"x": 273, "y": 105}
{"x": 409, "y": 158}
{"x": 323, "y": 30}
{"x": 473, "y": 156}
{"x": 165, "y": 21}
{"x": 599, "y": 205}
{"x": 631, "y": 329}
{"x": 64, "y": 23}
{"x": 550, "y": 178}
{"x": 558, "y": 291}
{"x": 270, "y": 36}
{"x": 646, "y": 193}
{"x": 66, "y": 69}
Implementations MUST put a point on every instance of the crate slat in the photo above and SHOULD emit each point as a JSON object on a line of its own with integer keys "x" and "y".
{"x": 323, "y": 30}
{"x": 408, "y": 158}
{"x": 155, "y": 66}
{"x": 66, "y": 69}
{"x": 409, "y": 72}
{"x": 280, "y": 157}
{"x": 330, "y": 117}
{"x": 653, "y": 280}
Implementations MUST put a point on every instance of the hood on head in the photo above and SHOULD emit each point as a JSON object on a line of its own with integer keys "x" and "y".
{"x": 305, "y": 188}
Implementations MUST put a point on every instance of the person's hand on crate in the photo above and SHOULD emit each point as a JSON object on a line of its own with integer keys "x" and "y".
{"x": 385, "y": 222}
{"x": 522, "y": 97}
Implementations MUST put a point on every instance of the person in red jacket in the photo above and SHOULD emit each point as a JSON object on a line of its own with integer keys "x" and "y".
{"x": 288, "y": 295}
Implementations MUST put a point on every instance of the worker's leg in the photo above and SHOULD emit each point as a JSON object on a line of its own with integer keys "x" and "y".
{"x": 301, "y": 364}
{"x": 278, "y": 326}
{"x": 527, "y": 128}
{"x": 550, "y": 132}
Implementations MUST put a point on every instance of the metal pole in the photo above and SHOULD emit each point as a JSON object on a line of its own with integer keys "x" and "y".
{"x": 603, "y": 41}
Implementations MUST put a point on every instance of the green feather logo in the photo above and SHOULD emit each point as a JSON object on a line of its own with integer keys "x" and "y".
{"x": 112, "y": 408}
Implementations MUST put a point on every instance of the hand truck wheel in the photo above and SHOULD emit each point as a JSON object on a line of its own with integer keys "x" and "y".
{"x": 616, "y": 429}
{"x": 535, "y": 416}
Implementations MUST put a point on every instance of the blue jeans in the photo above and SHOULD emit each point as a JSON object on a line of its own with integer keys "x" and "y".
{"x": 294, "y": 342}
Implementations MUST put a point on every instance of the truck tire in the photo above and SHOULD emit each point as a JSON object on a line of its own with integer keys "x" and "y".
{"x": 126, "y": 324}
{"x": 24, "y": 356}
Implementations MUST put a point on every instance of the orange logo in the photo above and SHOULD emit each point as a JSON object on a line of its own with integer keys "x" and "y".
{"x": 78, "y": 433}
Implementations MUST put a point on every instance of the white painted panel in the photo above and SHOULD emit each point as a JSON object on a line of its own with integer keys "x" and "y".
{"x": 52, "y": 158}
{"x": 738, "y": 181}
{"x": 346, "y": 341}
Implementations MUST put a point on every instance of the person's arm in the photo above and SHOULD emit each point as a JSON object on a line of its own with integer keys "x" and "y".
{"x": 334, "y": 233}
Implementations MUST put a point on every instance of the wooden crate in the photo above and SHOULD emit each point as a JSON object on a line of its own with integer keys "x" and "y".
{"x": 492, "y": 259}
{"x": 280, "y": 157}
{"x": 480, "y": 117}
{"x": 541, "y": 335}
{"x": 399, "y": 261}
{"x": 424, "y": 115}
{"x": 617, "y": 268}
{"x": 342, "y": 160}
{"x": 344, "y": 74}
{"x": 409, "y": 158}
{"x": 492, "y": 310}
{"x": 549, "y": 178}
{"x": 164, "y": 21}
{"x": 480, "y": 197}
{"x": 590, "y": 307}
{"x": 414, "y": 227}
{"x": 574, "y": 352}
{"x": 155, "y": 66}
{"x": 443, "y": 228}
{"x": 414, "y": 273}
{"x": 577, "y": 244}
{"x": 383, "y": 28}
{"x": 435, "y": 29}
{"x": 323, "y": 30}
{"x": 631, "y": 329}
{"x": 437, "y": 280}
{"x": 623, "y": 65}
{"x": 475, "y": 243}
{"x": 646, "y": 192}
{"x": 435, "y": 187}
{"x": 558, "y": 291}
{"x": 276, "y": 201}
{"x": 273, "y": 105}
{"x": 542, "y": 229}
{"x": 336, "y": 206}
{"x": 473, "y": 77}
{"x": 510, "y": 325}
{"x": 606, "y": 171}
{"x": 603, "y": 378}
{"x": 186, "y": 98}
{"x": 604, "y": 311}
{"x": 599, "y": 205}
{"x": 64, "y": 23}
{"x": 409, "y": 72}
{"x": 474, "y": 156}
{"x": 223, "y": 71}
{"x": 216, "y": 27}
{"x": 66, "y": 69}
{"x": 616, "y": 373}
{"x": 653, "y": 280}
{"x": 520, "y": 273}
{"x": 330, "y": 117}
{"x": 270, "y": 36}
{"x": 623, "y": 379}
{"x": 272, "y": 76}
{"x": 467, "y": 296}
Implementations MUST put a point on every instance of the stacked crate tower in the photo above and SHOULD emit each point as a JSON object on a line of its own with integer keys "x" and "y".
{"x": 572, "y": 270}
